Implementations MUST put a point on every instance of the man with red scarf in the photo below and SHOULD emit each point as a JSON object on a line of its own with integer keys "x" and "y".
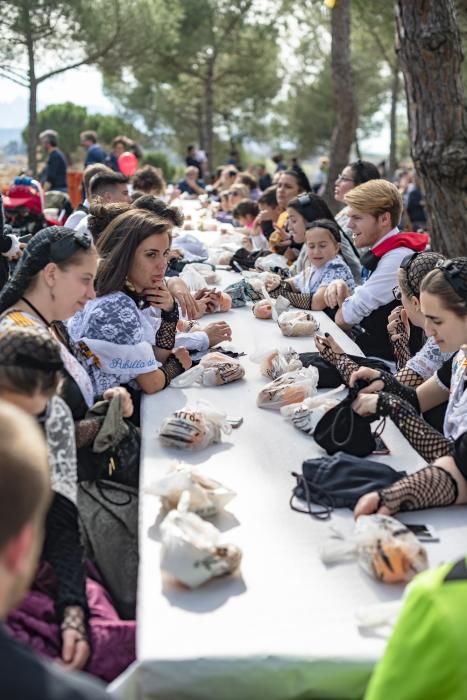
{"x": 375, "y": 210}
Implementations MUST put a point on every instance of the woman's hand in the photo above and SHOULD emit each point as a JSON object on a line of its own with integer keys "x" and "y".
{"x": 159, "y": 297}
{"x": 397, "y": 318}
{"x": 369, "y": 504}
{"x": 75, "y": 646}
{"x": 371, "y": 376}
{"x": 188, "y": 305}
{"x": 218, "y": 332}
{"x": 336, "y": 293}
{"x": 207, "y": 301}
{"x": 365, "y": 404}
{"x": 126, "y": 400}
{"x": 328, "y": 341}
{"x": 183, "y": 356}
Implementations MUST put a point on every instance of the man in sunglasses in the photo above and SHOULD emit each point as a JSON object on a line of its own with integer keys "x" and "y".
{"x": 375, "y": 210}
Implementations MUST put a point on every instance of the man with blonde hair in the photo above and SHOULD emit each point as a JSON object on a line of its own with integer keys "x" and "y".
{"x": 24, "y": 501}
{"x": 374, "y": 210}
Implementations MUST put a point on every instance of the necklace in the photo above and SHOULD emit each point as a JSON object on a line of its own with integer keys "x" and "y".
{"x": 38, "y": 313}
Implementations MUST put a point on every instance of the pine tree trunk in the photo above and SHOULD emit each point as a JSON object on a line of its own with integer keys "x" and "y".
{"x": 430, "y": 54}
{"x": 344, "y": 96}
{"x": 209, "y": 114}
{"x": 395, "y": 86}
{"x": 32, "y": 127}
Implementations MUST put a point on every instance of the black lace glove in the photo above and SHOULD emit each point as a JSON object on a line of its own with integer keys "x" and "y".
{"x": 297, "y": 299}
{"x": 171, "y": 368}
{"x": 429, "y": 488}
{"x": 342, "y": 362}
{"x": 165, "y": 336}
{"x": 392, "y": 386}
{"x": 427, "y": 441}
{"x": 401, "y": 346}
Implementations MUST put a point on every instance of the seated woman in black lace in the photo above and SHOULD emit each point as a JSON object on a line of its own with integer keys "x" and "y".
{"x": 444, "y": 480}
{"x": 30, "y": 370}
{"x": 411, "y": 371}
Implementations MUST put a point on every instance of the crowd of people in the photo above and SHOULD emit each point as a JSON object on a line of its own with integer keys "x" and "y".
{"x": 93, "y": 315}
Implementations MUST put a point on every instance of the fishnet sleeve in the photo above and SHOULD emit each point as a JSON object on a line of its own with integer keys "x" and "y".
{"x": 342, "y": 362}
{"x": 427, "y": 441}
{"x": 401, "y": 346}
{"x": 165, "y": 336}
{"x": 429, "y": 488}
{"x": 297, "y": 299}
{"x": 409, "y": 377}
{"x": 171, "y": 368}
{"x": 403, "y": 391}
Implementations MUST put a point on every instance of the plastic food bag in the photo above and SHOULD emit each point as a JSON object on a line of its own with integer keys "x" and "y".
{"x": 383, "y": 547}
{"x": 269, "y": 262}
{"x": 264, "y": 308}
{"x": 306, "y": 415}
{"x": 207, "y": 496}
{"x": 298, "y": 323}
{"x": 260, "y": 279}
{"x": 196, "y": 427}
{"x": 210, "y": 276}
{"x": 193, "y": 279}
{"x": 214, "y": 369}
{"x": 275, "y": 363}
{"x": 291, "y": 387}
{"x": 191, "y": 551}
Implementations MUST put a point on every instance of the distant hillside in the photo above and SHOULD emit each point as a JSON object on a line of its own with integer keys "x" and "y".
{"x": 7, "y": 135}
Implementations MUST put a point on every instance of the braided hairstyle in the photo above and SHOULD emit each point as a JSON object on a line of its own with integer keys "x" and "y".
{"x": 410, "y": 278}
{"x": 58, "y": 244}
{"x": 30, "y": 361}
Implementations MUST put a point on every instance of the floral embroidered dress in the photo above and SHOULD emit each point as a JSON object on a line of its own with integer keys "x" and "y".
{"x": 312, "y": 278}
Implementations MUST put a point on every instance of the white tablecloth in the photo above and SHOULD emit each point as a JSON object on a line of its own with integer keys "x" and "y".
{"x": 284, "y": 627}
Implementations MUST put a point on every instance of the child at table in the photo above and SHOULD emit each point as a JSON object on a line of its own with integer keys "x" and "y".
{"x": 307, "y": 289}
{"x": 246, "y": 214}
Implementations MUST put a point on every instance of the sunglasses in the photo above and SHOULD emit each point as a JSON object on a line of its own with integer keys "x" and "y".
{"x": 452, "y": 275}
{"x": 69, "y": 243}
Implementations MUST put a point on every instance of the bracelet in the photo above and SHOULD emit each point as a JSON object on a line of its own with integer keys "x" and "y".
{"x": 171, "y": 369}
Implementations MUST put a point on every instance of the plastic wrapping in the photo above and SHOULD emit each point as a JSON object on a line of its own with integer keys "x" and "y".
{"x": 275, "y": 363}
{"x": 264, "y": 309}
{"x": 297, "y": 323}
{"x": 291, "y": 387}
{"x": 196, "y": 427}
{"x": 193, "y": 279}
{"x": 210, "y": 276}
{"x": 207, "y": 496}
{"x": 269, "y": 262}
{"x": 383, "y": 547}
{"x": 260, "y": 279}
{"x": 306, "y": 415}
{"x": 214, "y": 369}
{"x": 191, "y": 551}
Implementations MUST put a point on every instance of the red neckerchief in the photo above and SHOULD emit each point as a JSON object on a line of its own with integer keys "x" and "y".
{"x": 415, "y": 241}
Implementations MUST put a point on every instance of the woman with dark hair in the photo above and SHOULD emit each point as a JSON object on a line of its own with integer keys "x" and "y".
{"x": 303, "y": 210}
{"x": 443, "y": 481}
{"x": 59, "y": 617}
{"x": 353, "y": 175}
{"x": 289, "y": 184}
{"x": 129, "y": 329}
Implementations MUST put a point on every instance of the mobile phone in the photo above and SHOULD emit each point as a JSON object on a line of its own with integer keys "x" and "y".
{"x": 380, "y": 448}
{"x": 424, "y": 533}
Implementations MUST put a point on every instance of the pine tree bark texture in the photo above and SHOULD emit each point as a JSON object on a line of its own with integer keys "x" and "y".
{"x": 430, "y": 53}
{"x": 344, "y": 95}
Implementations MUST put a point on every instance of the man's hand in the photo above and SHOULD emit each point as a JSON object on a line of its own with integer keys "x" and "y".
{"x": 336, "y": 293}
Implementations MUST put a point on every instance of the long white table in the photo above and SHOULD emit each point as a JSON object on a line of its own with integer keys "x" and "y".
{"x": 284, "y": 626}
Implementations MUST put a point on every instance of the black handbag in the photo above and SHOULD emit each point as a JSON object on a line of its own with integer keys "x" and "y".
{"x": 119, "y": 464}
{"x": 338, "y": 482}
{"x": 342, "y": 429}
{"x": 329, "y": 377}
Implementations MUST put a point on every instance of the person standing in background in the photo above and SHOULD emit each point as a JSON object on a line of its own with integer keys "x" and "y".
{"x": 94, "y": 152}
{"x": 54, "y": 174}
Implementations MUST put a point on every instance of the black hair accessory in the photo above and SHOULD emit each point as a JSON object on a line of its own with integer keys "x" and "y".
{"x": 452, "y": 274}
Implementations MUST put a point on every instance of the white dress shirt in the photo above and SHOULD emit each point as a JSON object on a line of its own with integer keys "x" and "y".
{"x": 377, "y": 290}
